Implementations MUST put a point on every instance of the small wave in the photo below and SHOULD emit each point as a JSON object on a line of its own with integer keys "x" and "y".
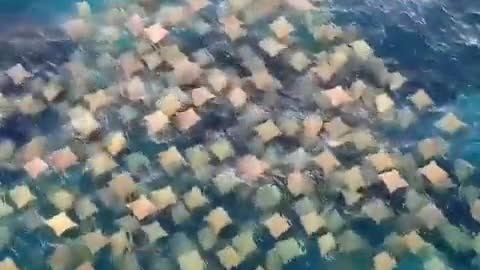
{"x": 435, "y": 42}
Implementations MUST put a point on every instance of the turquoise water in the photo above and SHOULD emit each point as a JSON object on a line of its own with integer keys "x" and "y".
{"x": 46, "y": 11}
{"x": 448, "y": 69}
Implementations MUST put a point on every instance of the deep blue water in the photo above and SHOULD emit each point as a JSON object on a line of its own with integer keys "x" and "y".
{"x": 436, "y": 43}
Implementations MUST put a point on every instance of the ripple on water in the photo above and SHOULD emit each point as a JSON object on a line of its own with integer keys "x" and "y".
{"x": 434, "y": 42}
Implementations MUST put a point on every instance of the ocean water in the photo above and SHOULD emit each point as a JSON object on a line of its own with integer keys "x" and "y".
{"x": 45, "y": 12}
{"x": 436, "y": 44}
